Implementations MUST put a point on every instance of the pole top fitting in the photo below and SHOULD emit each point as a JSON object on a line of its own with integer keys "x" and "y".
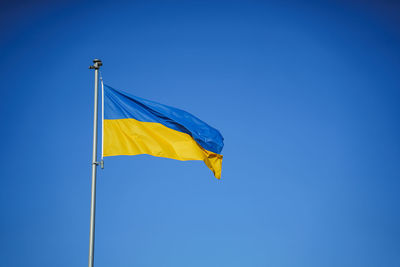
{"x": 97, "y": 64}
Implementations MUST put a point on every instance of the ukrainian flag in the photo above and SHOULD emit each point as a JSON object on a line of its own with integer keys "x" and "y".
{"x": 133, "y": 126}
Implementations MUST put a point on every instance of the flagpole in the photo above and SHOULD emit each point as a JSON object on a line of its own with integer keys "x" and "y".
{"x": 96, "y": 66}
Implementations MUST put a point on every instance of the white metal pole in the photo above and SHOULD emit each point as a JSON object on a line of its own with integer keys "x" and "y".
{"x": 96, "y": 66}
{"x": 102, "y": 122}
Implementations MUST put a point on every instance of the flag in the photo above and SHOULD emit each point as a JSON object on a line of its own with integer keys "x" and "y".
{"x": 133, "y": 126}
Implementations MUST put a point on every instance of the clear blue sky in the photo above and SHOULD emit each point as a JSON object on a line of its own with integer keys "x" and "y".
{"x": 305, "y": 94}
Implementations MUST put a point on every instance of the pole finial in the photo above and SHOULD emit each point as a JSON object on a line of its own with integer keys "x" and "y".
{"x": 97, "y": 64}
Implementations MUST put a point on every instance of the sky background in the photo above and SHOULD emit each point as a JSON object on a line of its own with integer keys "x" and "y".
{"x": 306, "y": 95}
